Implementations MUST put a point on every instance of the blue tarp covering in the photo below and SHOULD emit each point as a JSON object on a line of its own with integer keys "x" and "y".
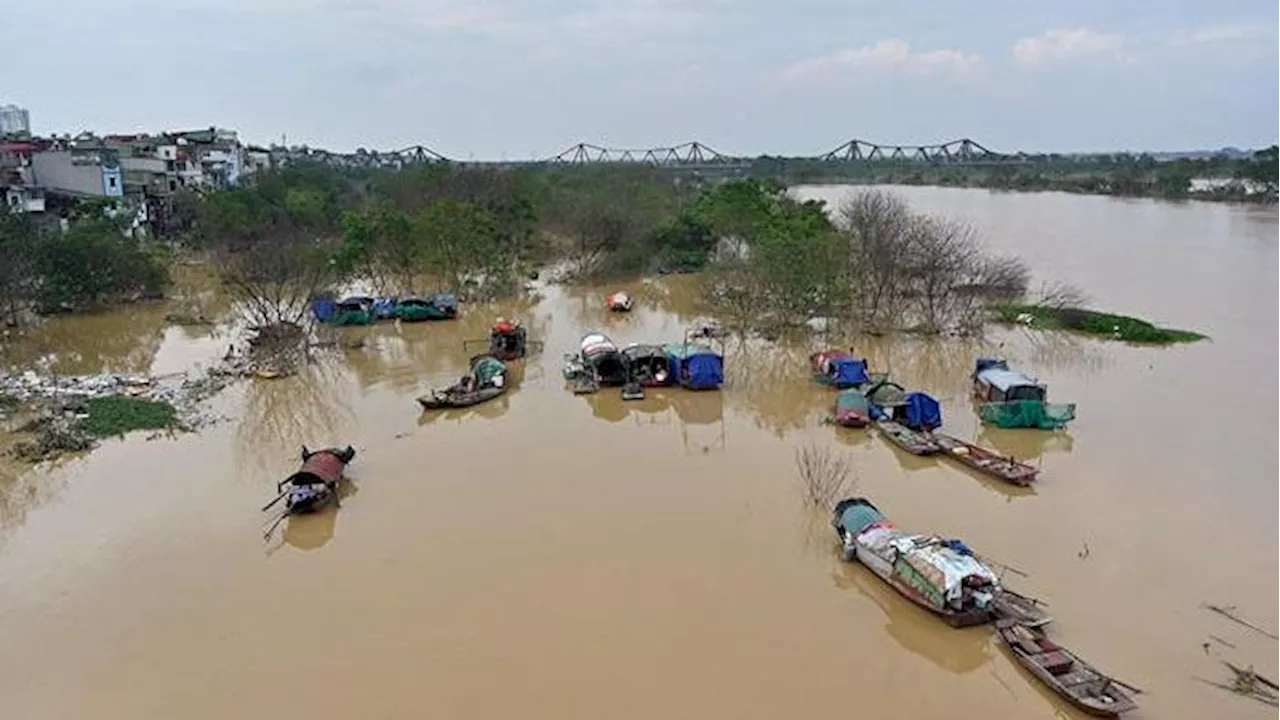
{"x": 922, "y": 412}
{"x": 384, "y": 307}
{"x": 444, "y": 301}
{"x": 696, "y": 367}
{"x": 323, "y": 308}
{"x": 849, "y": 372}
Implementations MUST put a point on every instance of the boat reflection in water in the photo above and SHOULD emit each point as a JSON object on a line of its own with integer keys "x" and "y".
{"x": 687, "y": 409}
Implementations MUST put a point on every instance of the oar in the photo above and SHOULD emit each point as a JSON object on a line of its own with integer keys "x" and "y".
{"x": 1227, "y": 613}
{"x": 279, "y": 519}
{"x": 278, "y": 499}
{"x": 1265, "y": 681}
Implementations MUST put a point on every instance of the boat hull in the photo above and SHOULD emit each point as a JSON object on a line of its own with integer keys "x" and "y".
{"x": 445, "y": 399}
{"x": 985, "y": 461}
{"x": 1107, "y": 700}
{"x": 907, "y": 439}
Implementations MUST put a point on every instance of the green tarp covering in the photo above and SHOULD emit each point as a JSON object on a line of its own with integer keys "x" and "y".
{"x": 1028, "y": 414}
{"x": 486, "y": 369}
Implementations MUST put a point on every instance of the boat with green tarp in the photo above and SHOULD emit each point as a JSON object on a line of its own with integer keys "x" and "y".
{"x": 353, "y": 311}
{"x": 440, "y": 306}
{"x": 1012, "y": 400}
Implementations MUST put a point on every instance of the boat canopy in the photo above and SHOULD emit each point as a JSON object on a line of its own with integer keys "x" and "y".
{"x": 597, "y": 344}
{"x": 887, "y": 394}
{"x": 852, "y": 401}
{"x": 857, "y": 514}
{"x": 922, "y": 412}
{"x": 354, "y": 303}
{"x": 847, "y": 372}
{"x": 323, "y": 308}
{"x": 384, "y": 307}
{"x": 1010, "y": 385}
{"x": 486, "y": 368}
{"x": 698, "y": 367}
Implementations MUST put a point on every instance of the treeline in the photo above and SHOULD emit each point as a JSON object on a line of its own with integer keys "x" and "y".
{"x": 1247, "y": 179}
{"x": 770, "y": 259}
{"x": 88, "y": 259}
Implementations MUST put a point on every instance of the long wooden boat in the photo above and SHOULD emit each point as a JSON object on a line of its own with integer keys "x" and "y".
{"x": 895, "y": 556}
{"x": 1064, "y": 672}
{"x": 313, "y": 486}
{"x": 985, "y": 461}
{"x": 916, "y": 443}
{"x": 486, "y": 381}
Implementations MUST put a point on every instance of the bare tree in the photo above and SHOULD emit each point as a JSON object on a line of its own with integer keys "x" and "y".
{"x": 824, "y": 474}
{"x": 876, "y": 225}
{"x": 273, "y": 282}
{"x": 1060, "y": 296}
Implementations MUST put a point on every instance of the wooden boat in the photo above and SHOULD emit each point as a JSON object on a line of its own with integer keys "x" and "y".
{"x": 1064, "y": 672}
{"x": 916, "y": 443}
{"x": 508, "y": 340}
{"x": 487, "y": 380}
{"x": 843, "y": 370}
{"x": 985, "y": 461}
{"x": 1010, "y": 605}
{"x": 852, "y": 409}
{"x": 1012, "y": 400}
{"x": 313, "y": 486}
{"x": 619, "y": 302}
{"x": 940, "y": 575}
{"x": 440, "y": 306}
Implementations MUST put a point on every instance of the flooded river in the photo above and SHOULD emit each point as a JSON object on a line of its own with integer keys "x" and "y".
{"x": 552, "y": 556}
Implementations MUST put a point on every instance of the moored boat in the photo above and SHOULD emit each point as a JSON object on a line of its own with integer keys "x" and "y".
{"x": 487, "y": 380}
{"x": 353, "y": 311}
{"x": 508, "y": 340}
{"x": 941, "y": 575}
{"x": 1064, "y": 672}
{"x": 619, "y": 302}
{"x": 852, "y": 409}
{"x": 841, "y": 369}
{"x": 985, "y": 461}
{"x": 696, "y": 366}
{"x": 1012, "y": 400}
{"x": 907, "y": 423}
{"x": 440, "y": 306}
{"x": 600, "y": 358}
{"x": 648, "y": 365}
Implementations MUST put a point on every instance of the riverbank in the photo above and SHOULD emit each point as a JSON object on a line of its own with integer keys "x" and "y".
{"x": 1090, "y": 322}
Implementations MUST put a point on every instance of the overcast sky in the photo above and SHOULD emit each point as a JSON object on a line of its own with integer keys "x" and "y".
{"x": 522, "y": 78}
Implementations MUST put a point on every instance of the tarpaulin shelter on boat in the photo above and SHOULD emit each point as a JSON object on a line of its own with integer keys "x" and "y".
{"x": 697, "y": 367}
{"x": 921, "y": 412}
{"x": 324, "y": 309}
{"x": 848, "y": 372}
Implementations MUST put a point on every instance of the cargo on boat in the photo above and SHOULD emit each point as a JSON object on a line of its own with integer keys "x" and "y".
{"x": 842, "y": 370}
{"x": 487, "y": 380}
{"x": 1064, "y": 672}
{"x": 941, "y": 575}
{"x": 985, "y": 461}
{"x": 1010, "y": 399}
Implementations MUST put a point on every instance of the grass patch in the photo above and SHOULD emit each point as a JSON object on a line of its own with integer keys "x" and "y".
{"x": 117, "y": 415}
{"x": 1089, "y": 322}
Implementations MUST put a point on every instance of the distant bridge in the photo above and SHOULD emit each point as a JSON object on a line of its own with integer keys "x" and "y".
{"x": 688, "y": 156}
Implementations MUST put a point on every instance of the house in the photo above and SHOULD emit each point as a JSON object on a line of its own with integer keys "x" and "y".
{"x": 81, "y": 168}
{"x": 18, "y": 191}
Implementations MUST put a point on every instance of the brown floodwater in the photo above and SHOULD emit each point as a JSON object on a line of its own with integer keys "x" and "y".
{"x": 552, "y": 556}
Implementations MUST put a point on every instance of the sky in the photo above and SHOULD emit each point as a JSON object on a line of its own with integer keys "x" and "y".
{"x": 522, "y": 79}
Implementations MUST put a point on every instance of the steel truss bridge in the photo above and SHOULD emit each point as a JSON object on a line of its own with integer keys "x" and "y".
{"x": 689, "y": 156}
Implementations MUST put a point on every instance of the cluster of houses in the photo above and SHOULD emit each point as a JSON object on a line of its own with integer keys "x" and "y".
{"x": 44, "y": 174}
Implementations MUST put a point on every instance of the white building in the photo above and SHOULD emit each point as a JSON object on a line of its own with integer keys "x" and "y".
{"x": 14, "y": 120}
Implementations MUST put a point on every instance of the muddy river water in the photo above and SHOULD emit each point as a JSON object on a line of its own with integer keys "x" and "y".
{"x": 552, "y": 556}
